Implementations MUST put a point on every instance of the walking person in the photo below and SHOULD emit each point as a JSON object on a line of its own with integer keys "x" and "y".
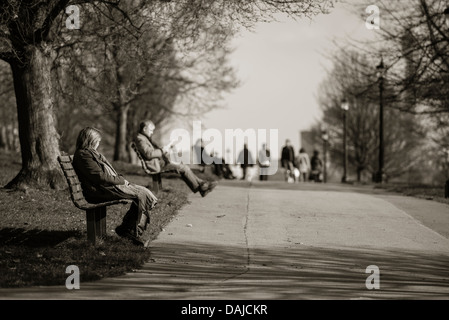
{"x": 287, "y": 160}
{"x": 303, "y": 162}
{"x": 246, "y": 160}
{"x": 316, "y": 167}
{"x": 199, "y": 149}
{"x": 264, "y": 162}
{"x": 101, "y": 182}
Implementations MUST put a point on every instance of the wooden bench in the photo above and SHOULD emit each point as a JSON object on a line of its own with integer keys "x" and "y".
{"x": 95, "y": 212}
{"x": 157, "y": 176}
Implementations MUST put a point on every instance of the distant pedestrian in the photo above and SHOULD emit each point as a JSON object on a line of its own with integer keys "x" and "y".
{"x": 264, "y": 162}
{"x": 199, "y": 149}
{"x": 316, "y": 167}
{"x": 220, "y": 167}
{"x": 246, "y": 160}
{"x": 288, "y": 160}
{"x": 303, "y": 163}
{"x": 227, "y": 172}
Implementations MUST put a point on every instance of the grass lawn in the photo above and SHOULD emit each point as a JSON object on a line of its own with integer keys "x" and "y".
{"x": 42, "y": 232}
{"x": 429, "y": 192}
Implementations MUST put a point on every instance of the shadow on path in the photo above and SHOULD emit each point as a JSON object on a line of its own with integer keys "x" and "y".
{"x": 298, "y": 273}
{"x": 34, "y": 237}
{"x": 203, "y": 271}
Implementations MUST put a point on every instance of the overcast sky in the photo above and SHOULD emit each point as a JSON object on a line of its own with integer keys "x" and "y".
{"x": 281, "y": 66}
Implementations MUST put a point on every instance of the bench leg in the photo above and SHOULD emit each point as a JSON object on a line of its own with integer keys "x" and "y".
{"x": 159, "y": 180}
{"x": 96, "y": 223}
{"x": 157, "y": 183}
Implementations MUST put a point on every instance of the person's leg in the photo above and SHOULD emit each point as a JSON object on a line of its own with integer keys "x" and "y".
{"x": 195, "y": 183}
{"x": 243, "y": 173}
{"x": 192, "y": 181}
{"x": 137, "y": 218}
{"x": 129, "y": 221}
{"x": 219, "y": 170}
{"x": 263, "y": 174}
{"x": 133, "y": 224}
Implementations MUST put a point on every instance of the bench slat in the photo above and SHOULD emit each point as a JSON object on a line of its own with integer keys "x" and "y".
{"x": 75, "y": 188}
{"x": 78, "y": 196}
{"x": 65, "y": 159}
{"x": 70, "y": 173}
{"x": 66, "y": 165}
{"x": 73, "y": 180}
{"x": 81, "y": 203}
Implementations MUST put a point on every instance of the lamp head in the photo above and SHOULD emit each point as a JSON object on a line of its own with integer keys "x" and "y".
{"x": 380, "y": 68}
{"x": 345, "y": 105}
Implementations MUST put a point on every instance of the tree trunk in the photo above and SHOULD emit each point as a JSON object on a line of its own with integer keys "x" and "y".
{"x": 3, "y": 138}
{"x": 120, "y": 149}
{"x": 359, "y": 174}
{"x": 39, "y": 141}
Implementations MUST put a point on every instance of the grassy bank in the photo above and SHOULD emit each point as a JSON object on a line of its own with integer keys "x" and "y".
{"x": 42, "y": 232}
{"x": 428, "y": 192}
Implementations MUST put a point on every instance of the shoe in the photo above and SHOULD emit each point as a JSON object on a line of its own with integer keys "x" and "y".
{"x": 207, "y": 187}
{"x": 203, "y": 186}
{"x": 126, "y": 233}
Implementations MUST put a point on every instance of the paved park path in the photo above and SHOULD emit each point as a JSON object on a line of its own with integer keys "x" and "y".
{"x": 247, "y": 242}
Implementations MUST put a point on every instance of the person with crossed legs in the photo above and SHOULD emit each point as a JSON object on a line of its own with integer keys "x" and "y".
{"x": 157, "y": 159}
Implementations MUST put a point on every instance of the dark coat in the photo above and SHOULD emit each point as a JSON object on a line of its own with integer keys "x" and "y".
{"x": 154, "y": 158}
{"x": 97, "y": 184}
{"x": 245, "y": 158}
{"x": 287, "y": 155}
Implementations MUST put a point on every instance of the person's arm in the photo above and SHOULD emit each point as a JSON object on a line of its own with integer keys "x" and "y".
{"x": 88, "y": 167}
{"x": 147, "y": 150}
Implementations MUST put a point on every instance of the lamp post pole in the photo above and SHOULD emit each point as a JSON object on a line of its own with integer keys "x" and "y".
{"x": 345, "y": 108}
{"x": 380, "y": 70}
{"x": 325, "y": 137}
{"x": 446, "y": 185}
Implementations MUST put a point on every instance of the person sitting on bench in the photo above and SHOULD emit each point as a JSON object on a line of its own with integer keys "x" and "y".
{"x": 101, "y": 182}
{"x": 157, "y": 160}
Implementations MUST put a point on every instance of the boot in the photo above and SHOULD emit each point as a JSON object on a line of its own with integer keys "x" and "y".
{"x": 143, "y": 224}
{"x": 192, "y": 183}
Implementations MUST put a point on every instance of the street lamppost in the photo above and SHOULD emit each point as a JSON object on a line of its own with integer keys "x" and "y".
{"x": 345, "y": 108}
{"x": 446, "y": 185}
{"x": 380, "y": 75}
{"x": 325, "y": 138}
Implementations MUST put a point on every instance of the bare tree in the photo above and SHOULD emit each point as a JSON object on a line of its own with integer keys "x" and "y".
{"x": 351, "y": 80}
{"x": 8, "y": 114}
{"x": 28, "y": 42}
{"x": 413, "y": 40}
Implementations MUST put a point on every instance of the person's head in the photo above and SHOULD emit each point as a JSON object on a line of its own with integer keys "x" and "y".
{"x": 88, "y": 138}
{"x": 302, "y": 150}
{"x": 147, "y": 128}
{"x": 316, "y": 153}
{"x": 287, "y": 142}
